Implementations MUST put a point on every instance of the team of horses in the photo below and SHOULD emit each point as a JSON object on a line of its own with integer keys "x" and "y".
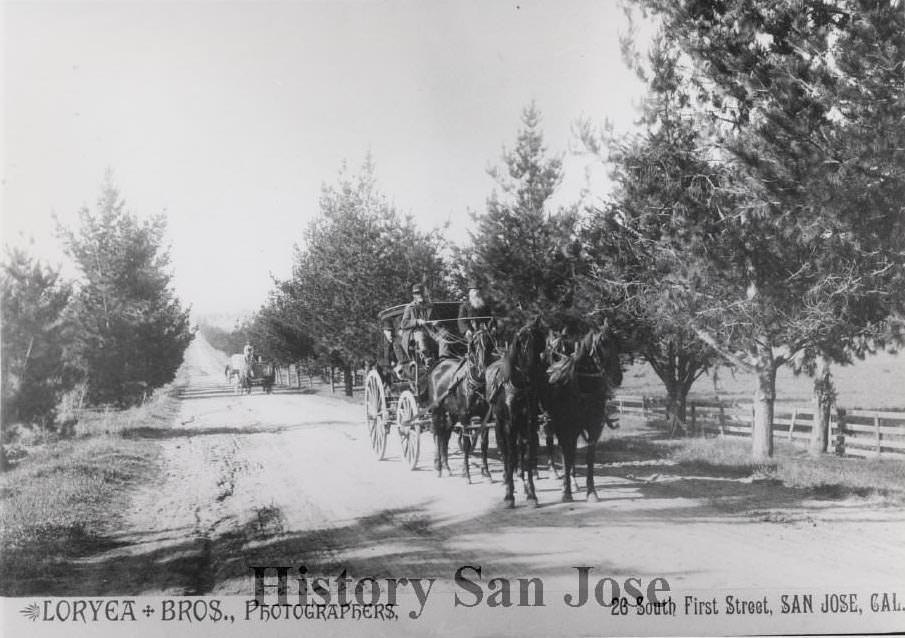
{"x": 565, "y": 372}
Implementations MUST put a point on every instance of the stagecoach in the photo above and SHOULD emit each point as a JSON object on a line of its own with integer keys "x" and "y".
{"x": 244, "y": 375}
{"x": 392, "y": 405}
{"x": 568, "y": 369}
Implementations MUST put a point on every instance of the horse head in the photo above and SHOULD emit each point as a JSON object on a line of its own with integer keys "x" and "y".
{"x": 480, "y": 349}
{"x": 599, "y": 351}
{"x": 526, "y": 352}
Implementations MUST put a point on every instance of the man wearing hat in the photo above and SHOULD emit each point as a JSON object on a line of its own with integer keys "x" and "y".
{"x": 476, "y": 312}
{"x": 414, "y": 319}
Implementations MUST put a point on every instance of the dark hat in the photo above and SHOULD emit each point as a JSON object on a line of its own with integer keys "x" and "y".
{"x": 473, "y": 283}
{"x": 417, "y": 289}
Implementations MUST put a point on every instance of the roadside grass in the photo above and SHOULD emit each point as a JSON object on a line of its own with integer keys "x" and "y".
{"x": 827, "y": 476}
{"x": 65, "y": 496}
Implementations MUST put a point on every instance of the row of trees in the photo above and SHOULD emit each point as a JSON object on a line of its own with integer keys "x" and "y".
{"x": 756, "y": 218}
{"x": 116, "y": 333}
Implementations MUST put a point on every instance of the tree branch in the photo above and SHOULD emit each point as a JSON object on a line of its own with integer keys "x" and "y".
{"x": 730, "y": 357}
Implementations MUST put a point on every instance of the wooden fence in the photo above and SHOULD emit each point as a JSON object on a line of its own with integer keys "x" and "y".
{"x": 866, "y": 433}
{"x": 301, "y": 377}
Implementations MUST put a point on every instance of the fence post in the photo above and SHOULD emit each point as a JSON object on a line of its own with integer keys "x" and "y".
{"x": 722, "y": 421}
{"x": 332, "y": 380}
{"x": 792, "y": 424}
{"x": 877, "y": 432}
{"x": 840, "y": 432}
{"x": 693, "y": 428}
{"x": 644, "y": 408}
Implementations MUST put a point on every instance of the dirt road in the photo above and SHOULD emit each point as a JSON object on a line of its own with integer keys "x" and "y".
{"x": 289, "y": 479}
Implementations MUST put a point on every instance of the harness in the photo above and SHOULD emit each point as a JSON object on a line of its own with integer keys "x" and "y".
{"x": 564, "y": 370}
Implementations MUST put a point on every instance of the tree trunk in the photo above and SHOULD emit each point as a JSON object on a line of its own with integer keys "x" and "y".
{"x": 348, "y": 378}
{"x": 824, "y": 398}
{"x": 764, "y": 397}
{"x": 680, "y": 406}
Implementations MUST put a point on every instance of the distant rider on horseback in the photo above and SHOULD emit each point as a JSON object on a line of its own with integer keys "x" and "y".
{"x": 249, "y": 353}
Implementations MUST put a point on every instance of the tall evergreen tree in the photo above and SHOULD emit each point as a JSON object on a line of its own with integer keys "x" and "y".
{"x": 131, "y": 330}
{"x": 358, "y": 257}
{"x": 35, "y": 335}
{"x": 527, "y": 252}
{"x": 664, "y": 184}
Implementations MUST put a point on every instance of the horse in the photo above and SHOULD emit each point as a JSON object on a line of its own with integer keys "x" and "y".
{"x": 581, "y": 377}
{"x": 454, "y": 393}
{"x": 238, "y": 371}
{"x": 513, "y": 388}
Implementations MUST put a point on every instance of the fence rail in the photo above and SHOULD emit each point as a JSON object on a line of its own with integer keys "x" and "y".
{"x": 865, "y": 433}
{"x": 300, "y": 376}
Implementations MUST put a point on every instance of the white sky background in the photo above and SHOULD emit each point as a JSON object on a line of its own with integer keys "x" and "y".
{"x": 230, "y": 116}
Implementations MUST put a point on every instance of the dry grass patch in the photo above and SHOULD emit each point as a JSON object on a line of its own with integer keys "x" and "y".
{"x": 829, "y": 476}
{"x": 65, "y": 497}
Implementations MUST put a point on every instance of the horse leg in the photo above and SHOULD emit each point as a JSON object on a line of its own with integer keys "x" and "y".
{"x": 551, "y": 454}
{"x": 502, "y": 438}
{"x": 444, "y": 444}
{"x": 485, "y": 442}
{"x": 568, "y": 444}
{"x": 533, "y": 443}
{"x": 466, "y": 450}
{"x": 437, "y": 426}
{"x": 594, "y": 432}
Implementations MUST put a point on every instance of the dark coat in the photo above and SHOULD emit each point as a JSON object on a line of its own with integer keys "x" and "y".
{"x": 471, "y": 318}
{"x": 410, "y": 315}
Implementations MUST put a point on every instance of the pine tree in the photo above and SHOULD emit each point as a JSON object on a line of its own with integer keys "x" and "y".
{"x": 131, "y": 331}
{"x": 358, "y": 257}
{"x": 664, "y": 186}
{"x": 526, "y": 253}
{"x": 35, "y": 337}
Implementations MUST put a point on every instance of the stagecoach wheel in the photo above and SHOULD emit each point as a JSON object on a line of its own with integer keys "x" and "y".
{"x": 409, "y": 431}
{"x": 376, "y": 413}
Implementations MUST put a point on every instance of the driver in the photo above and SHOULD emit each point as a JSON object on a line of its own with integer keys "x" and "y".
{"x": 414, "y": 321}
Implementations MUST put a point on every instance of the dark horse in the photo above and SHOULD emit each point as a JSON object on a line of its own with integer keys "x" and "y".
{"x": 513, "y": 389}
{"x": 455, "y": 395}
{"x": 582, "y": 375}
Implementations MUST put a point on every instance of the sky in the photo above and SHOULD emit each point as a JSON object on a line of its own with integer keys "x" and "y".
{"x": 228, "y": 117}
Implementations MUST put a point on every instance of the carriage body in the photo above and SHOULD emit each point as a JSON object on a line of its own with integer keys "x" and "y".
{"x": 444, "y": 318}
{"x": 244, "y": 376}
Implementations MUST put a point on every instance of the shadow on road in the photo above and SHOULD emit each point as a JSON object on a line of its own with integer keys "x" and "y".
{"x": 639, "y": 487}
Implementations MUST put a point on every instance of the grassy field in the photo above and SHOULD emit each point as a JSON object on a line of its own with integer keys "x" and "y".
{"x": 876, "y": 383}
{"x": 62, "y": 499}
